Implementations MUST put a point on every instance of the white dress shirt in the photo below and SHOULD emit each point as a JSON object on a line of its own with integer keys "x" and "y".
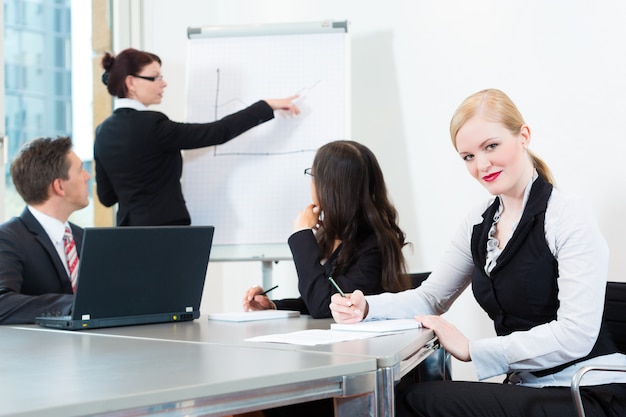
{"x": 55, "y": 231}
{"x": 128, "y": 103}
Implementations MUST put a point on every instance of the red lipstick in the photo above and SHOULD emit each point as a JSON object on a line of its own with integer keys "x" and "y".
{"x": 492, "y": 177}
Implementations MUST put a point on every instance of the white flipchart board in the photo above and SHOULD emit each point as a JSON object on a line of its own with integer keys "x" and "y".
{"x": 252, "y": 187}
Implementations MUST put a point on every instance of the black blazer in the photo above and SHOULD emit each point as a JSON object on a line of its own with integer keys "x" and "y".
{"x": 365, "y": 274}
{"x": 139, "y": 165}
{"x": 33, "y": 280}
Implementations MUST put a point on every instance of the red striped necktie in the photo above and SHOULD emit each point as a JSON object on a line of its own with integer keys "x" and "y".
{"x": 71, "y": 255}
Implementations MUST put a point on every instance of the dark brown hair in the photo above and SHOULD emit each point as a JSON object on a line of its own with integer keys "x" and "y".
{"x": 37, "y": 164}
{"x": 128, "y": 62}
{"x": 353, "y": 196}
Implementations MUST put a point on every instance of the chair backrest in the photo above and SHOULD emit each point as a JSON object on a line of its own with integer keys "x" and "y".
{"x": 615, "y": 312}
{"x": 417, "y": 278}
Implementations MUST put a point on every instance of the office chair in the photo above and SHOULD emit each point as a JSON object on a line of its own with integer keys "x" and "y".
{"x": 437, "y": 366}
{"x": 615, "y": 319}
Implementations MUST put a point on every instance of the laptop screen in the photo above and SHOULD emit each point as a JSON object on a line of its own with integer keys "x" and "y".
{"x": 127, "y": 271}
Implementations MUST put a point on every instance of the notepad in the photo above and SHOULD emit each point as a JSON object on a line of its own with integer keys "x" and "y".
{"x": 242, "y": 316}
{"x": 378, "y": 326}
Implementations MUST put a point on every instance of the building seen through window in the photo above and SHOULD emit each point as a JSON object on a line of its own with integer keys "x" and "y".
{"x": 44, "y": 48}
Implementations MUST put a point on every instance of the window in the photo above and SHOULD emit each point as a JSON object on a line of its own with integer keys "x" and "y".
{"x": 48, "y": 82}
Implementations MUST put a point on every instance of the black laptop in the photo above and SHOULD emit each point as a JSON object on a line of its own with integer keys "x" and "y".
{"x": 138, "y": 275}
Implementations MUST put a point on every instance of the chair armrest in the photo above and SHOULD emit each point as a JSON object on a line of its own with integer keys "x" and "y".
{"x": 578, "y": 376}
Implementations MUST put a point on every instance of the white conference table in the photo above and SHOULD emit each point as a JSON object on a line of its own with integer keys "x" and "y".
{"x": 395, "y": 354}
{"x": 62, "y": 373}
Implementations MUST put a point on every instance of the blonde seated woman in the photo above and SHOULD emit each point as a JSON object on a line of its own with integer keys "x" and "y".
{"x": 537, "y": 264}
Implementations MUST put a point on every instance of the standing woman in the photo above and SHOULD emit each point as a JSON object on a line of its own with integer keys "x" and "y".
{"x": 537, "y": 264}
{"x": 349, "y": 232}
{"x": 137, "y": 151}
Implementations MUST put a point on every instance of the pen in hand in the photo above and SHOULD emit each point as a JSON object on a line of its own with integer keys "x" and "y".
{"x": 249, "y": 302}
{"x": 266, "y": 291}
{"x": 332, "y": 281}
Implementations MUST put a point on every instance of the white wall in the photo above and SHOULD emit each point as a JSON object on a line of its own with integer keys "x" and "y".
{"x": 413, "y": 62}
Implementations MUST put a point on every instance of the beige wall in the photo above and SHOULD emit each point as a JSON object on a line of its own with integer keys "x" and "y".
{"x": 102, "y": 103}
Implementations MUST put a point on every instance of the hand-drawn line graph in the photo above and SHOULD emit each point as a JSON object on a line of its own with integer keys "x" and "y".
{"x": 217, "y": 115}
{"x": 252, "y": 187}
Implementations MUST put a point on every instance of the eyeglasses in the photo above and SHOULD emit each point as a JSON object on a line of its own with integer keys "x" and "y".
{"x": 144, "y": 77}
{"x": 309, "y": 171}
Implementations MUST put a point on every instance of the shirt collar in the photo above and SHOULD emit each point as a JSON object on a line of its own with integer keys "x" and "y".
{"x": 528, "y": 188}
{"x": 129, "y": 103}
{"x": 53, "y": 227}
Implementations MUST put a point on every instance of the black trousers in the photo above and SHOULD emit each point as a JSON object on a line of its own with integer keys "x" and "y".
{"x": 483, "y": 399}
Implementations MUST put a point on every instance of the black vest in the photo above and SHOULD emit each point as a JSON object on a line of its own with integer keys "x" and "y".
{"x": 522, "y": 289}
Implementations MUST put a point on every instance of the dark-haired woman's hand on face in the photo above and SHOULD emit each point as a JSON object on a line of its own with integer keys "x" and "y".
{"x": 308, "y": 218}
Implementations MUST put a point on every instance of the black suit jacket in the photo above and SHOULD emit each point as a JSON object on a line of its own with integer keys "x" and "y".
{"x": 365, "y": 274}
{"x": 33, "y": 280}
{"x": 138, "y": 161}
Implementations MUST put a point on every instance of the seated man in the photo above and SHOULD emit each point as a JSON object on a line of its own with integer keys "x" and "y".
{"x": 35, "y": 276}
